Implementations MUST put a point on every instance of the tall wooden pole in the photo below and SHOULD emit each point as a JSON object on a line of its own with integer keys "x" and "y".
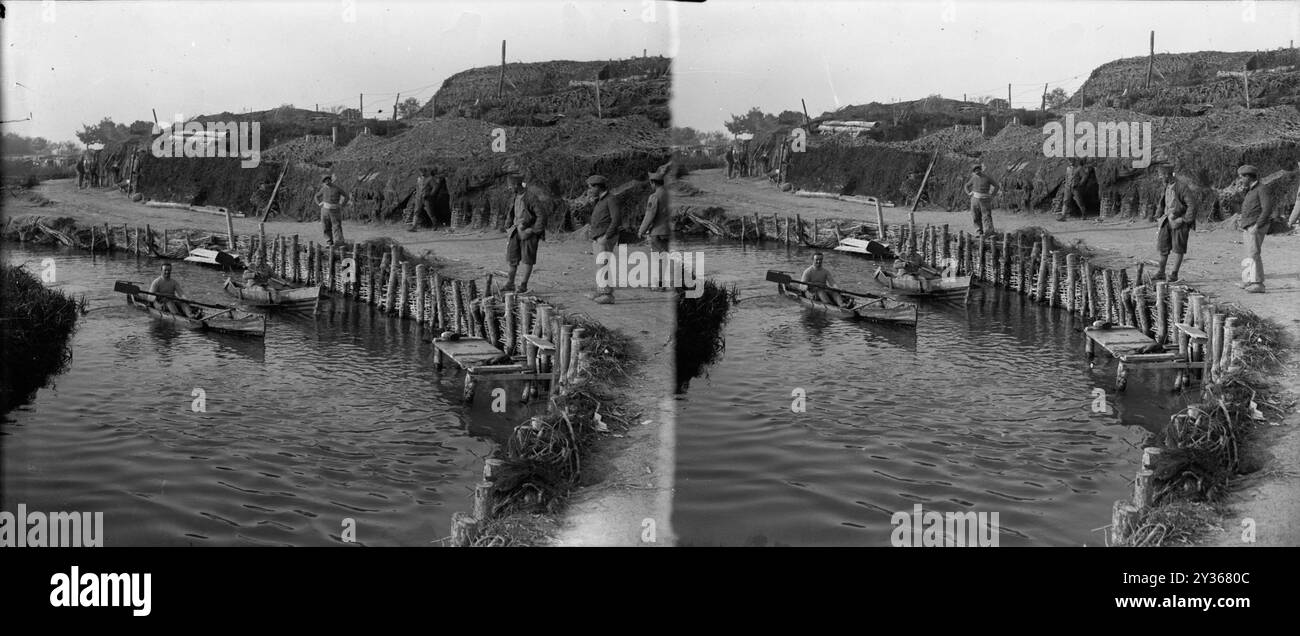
{"x": 395, "y": 102}
{"x": 912, "y": 217}
{"x": 501, "y": 81}
{"x": 361, "y": 106}
{"x": 1151, "y": 58}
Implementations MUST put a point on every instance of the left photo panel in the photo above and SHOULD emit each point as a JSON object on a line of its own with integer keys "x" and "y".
{"x": 337, "y": 274}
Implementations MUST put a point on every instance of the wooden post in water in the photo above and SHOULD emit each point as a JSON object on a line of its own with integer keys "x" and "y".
{"x": 880, "y": 220}
{"x": 294, "y": 262}
{"x": 1043, "y": 259}
{"x": 261, "y": 245}
{"x": 508, "y": 317}
{"x": 961, "y": 253}
{"x": 758, "y": 227}
{"x": 311, "y": 263}
{"x": 390, "y": 295}
{"x": 817, "y": 232}
{"x": 464, "y": 530}
{"x": 980, "y": 272}
{"x": 354, "y": 288}
{"x": 947, "y": 243}
{"x": 1004, "y": 261}
{"x": 787, "y": 231}
{"x": 1143, "y": 488}
{"x": 371, "y": 283}
{"x": 489, "y": 306}
{"x": 402, "y": 305}
{"x": 471, "y": 309}
{"x": 438, "y": 316}
{"x": 1054, "y": 285}
{"x": 1162, "y": 312}
{"x": 420, "y": 271}
{"x": 1176, "y": 297}
{"x": 1071, "y": 267}
{"x": 1121, "y": 283}
{"x": 1090, "y": 291}
{"x": 457, "y": 307}
{"x": 332, "y": 276}
{"x": 1142, "y": 310}
{"x": 1218, "y": 326}
{"x": 1123, "y": 522}
{"x": 530, "y": 351}
{"x": 1108, "y": 291}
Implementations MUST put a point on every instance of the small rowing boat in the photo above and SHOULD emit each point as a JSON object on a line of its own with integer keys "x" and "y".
{"x": 926, "y": 284}
{"x": 201, "y": 316}
{"x": 278, "y": 295}
{"x": 862, "y": 306}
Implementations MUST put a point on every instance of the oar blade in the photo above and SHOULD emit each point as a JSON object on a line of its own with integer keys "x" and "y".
{"x": 774, "y": 276}
{"x": 126, "y": 287}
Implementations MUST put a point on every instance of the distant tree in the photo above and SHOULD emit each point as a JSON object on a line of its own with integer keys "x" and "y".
{"x": 286, "y": 106}
{"x": 104, "y": 132}
{"x": 408, "y": 108}
{"x": 683, "y": 136}
{"x": 996, "y": 103}
{"x": 760, "y": 123}
{"x": 715, "y": 138}
{"x": 1057, "y": 97}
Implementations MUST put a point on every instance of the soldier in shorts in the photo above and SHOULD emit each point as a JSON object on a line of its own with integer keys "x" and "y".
{"x": 1176, "y": 220}
{"x": 526, "y": 225}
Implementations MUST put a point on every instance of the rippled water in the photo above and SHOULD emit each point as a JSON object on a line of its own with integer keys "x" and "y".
{"x": 336, "y": 417}
{"x": 983, "y": 408}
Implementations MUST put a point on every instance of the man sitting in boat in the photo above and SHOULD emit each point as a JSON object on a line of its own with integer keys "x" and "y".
{"x": 821, "y": 276}
{"x": 255, "y": 280}
{"x": 908, "y": 266}
{"x": 167, "y": 286}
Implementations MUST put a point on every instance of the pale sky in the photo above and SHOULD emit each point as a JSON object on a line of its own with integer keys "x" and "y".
{"x": 88, "y": 60}
{"x": 734, "y": 55}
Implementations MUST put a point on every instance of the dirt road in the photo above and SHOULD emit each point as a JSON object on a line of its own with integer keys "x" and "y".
{"x": 605, "y": 513}
{"x": 1270, "y": 497}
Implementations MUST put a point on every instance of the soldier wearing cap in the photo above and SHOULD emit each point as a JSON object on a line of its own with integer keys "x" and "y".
{"x": 1176, "y": 220}
{"x": 1255, "y": 219}
{"x": 655, "y": 225}
{"x": 331, "y": 200}
{"x": 526, "y": 223}
{"x": 980, "y": 188}
{"x": 603, "y": 230}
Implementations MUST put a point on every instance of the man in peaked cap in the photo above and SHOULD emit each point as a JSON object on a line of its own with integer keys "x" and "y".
{"x": 526, "y": 223}
{"x": 1175, "y": 221}
{"x": 980, "y": 188}
{"x": 1255, "y": 219}
{"x": 331, "y": 200}
{"x": 603, "y": 229}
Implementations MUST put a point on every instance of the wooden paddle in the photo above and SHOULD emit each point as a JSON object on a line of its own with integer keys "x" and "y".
{"x": 126, "y": 287}
{"x": 784, "y": 278}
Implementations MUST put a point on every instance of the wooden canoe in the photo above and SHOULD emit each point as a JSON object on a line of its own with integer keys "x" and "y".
{"x": 865, "y": 307}
{"x": 278, "y": 295}
{"x": 231, "y": 320}
{"x": 926, "y": 285}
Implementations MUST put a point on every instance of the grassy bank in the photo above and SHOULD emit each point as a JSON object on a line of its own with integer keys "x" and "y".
{"x": 35, "y": 325}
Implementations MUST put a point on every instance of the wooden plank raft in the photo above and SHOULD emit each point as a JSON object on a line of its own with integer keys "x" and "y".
{"x": 479, "y": 358}
{"x": 1132, "y": 348}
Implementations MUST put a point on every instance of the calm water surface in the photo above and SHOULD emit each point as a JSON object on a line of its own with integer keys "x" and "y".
{"x": 341, "y": 416}
{"x": 980, "y": 408}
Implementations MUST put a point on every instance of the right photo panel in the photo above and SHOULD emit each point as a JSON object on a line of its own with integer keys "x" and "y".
{"x": 987, "y": 273}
